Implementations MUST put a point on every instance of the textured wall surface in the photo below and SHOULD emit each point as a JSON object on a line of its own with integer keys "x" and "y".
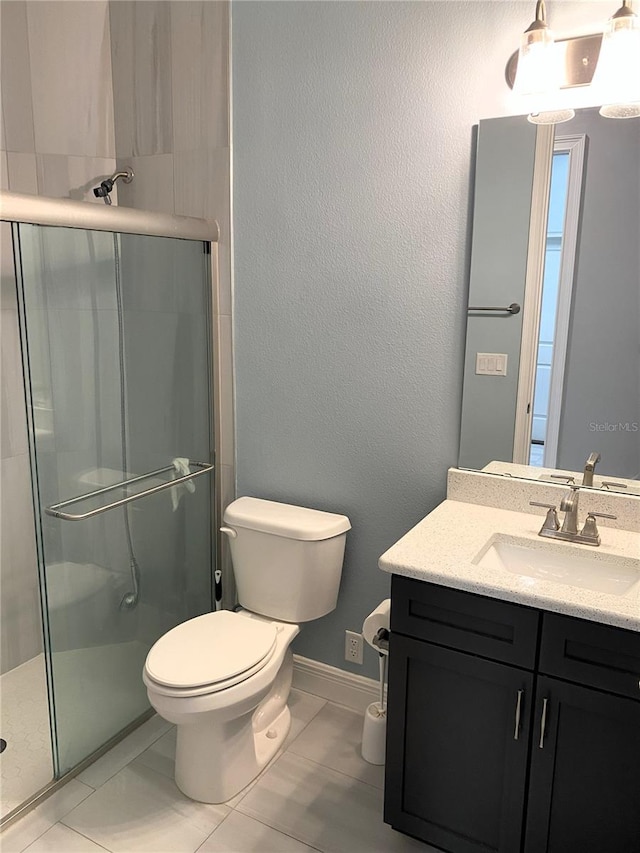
{"x": 352, "y": 169}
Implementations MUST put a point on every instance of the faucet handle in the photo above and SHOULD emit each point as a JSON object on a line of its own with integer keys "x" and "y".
{"x": 569, "y": 479}
{"x": 590, "y": 529}
{"x": 607, "y": 484}
{"x": 551, "y": 522}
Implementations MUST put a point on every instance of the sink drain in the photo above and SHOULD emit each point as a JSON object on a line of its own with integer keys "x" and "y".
{"x": 3, "y": 744}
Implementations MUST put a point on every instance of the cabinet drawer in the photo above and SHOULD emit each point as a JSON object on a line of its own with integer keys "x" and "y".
{"x": 488, "y": 627}
{"x": 589, "y": 653}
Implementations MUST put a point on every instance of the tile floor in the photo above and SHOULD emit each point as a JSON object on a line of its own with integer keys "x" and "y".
{"x": 317, "y": 794}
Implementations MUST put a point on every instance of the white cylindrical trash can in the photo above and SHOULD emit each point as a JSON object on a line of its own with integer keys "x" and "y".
{"x": 374, "y": 734}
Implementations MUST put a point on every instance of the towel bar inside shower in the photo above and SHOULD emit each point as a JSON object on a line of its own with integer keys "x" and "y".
{"x": 57, "y": 509}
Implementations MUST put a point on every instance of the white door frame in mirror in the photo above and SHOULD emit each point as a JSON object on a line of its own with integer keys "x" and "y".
{"x": 546, "y": 146}
{"x": 533, "y": 291}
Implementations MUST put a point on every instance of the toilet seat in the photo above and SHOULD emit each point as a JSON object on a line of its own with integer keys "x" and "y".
{"x": 210, "y": 653}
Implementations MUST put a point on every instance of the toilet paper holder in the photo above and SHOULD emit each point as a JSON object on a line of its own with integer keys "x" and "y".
{"x": 381, "y": 640}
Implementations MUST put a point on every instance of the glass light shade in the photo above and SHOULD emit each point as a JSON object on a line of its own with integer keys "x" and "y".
{"x": 617, "y": 76}
{"x": 551, "y": 116}
{"x": 537, "y": 63}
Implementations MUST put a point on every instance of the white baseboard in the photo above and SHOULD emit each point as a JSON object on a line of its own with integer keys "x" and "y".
{"x": 336, "y": 685}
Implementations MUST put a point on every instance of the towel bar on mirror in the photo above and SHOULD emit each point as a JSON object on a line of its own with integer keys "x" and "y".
{"x": 514, "y": 308}
{"x": 56, "y": 510}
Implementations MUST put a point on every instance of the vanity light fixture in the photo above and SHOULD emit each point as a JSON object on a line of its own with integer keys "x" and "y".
{"x": 539, "y": 70}
{"x": 605, "y": 65}
{"x": 618, "y": 71}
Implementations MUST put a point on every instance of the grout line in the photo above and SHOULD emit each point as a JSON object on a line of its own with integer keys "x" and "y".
{"x": 199, "y": 847}
{"x": 130, "y": 761}
{"x": 38, "y": 837}
{"x": 340, "y": 772}
{"x": 82, "y": 834}
{"x": 282, "y": 832}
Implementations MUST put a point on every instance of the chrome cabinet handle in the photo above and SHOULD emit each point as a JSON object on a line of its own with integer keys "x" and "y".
{"x": 516, "y": 733}
{"x": 543, "y": 722}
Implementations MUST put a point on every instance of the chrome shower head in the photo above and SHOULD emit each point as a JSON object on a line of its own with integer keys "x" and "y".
{"x": 108, "y": 184}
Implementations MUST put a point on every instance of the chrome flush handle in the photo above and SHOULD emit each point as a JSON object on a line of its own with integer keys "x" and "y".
{"x": 229, "y": 531}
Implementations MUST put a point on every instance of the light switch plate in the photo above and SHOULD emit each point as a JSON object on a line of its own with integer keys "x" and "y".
{"x": 491, "y": 363}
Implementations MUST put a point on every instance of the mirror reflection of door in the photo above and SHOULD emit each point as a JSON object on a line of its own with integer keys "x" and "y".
{"x": 557, "y": 286}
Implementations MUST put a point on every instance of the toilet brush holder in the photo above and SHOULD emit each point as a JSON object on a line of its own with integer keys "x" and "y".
{"x": 374, "y": 733}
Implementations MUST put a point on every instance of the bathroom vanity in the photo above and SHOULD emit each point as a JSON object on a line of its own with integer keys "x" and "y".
{"x": 514, "y": 696}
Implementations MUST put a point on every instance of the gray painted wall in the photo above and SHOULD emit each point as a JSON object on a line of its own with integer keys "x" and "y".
{"x": 602, "y": 375}
{"x": 504, "y": 182}
{"x": 352, "y": 168}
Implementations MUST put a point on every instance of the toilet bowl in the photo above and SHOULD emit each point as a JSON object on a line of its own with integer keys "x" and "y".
{"x": 230, "y": 727}
{"x": 224, "y": 678}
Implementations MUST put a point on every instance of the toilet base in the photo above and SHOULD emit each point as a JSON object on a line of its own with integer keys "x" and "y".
{"x": 216, "y": 760}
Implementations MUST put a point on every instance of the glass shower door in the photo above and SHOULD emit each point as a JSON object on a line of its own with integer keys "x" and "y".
{"x": 117, "y": 366}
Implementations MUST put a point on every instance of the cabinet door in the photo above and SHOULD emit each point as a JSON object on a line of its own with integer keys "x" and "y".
{"x": 584, "y": 794}
{"x": 457, "y": 744}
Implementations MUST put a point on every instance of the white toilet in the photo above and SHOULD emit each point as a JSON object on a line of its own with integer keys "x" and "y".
{"x": 224, "y": 678}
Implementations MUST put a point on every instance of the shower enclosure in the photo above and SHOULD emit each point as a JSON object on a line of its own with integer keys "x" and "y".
{"x": 114, "y": 311}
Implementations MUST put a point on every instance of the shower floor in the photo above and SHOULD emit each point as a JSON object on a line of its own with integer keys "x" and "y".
{"x": 25, "y": 765}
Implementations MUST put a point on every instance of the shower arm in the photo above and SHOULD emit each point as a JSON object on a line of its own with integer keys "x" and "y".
{"x": 106, "y": 186}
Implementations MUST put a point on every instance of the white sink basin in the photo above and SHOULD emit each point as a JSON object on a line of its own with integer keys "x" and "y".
{"x": 565, "y": 565}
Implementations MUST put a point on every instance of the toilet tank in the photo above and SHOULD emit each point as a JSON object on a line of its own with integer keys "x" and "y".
{"x": 287, "y": 560}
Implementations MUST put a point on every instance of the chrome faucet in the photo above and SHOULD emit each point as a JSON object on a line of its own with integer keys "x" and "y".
{"x": 569, "y": 506}
{"x": 589, "y": 468}
{"x": 589, "y": 535}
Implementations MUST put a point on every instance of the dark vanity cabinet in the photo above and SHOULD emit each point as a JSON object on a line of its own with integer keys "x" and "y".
{"x": 510, "y": 729}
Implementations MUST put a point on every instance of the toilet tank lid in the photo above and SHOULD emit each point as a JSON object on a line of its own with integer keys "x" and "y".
{"x": 292, "y": 522}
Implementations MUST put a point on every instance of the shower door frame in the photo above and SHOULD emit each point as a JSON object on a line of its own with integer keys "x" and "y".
{"x": 17, "y": 208}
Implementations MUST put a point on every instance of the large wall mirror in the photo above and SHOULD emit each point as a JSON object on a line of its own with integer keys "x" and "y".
{"x": 556, "y": 231}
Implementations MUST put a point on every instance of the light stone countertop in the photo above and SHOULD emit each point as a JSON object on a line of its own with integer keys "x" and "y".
{"x": 442, "y": 548}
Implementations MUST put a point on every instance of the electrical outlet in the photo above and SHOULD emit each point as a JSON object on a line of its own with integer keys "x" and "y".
{"x": 353, "y": 647}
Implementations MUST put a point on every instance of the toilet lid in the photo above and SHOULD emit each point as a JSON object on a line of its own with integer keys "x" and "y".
{"x": 210, "y": 648}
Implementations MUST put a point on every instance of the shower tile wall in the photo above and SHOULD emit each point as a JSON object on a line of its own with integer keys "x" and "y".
{"x": 20, "y": 632}
{"x": 57, "y": 140}
{"x": 57, "y": 97}
{"x": 171, "y": 84}
{"x": 82, "y": 83}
